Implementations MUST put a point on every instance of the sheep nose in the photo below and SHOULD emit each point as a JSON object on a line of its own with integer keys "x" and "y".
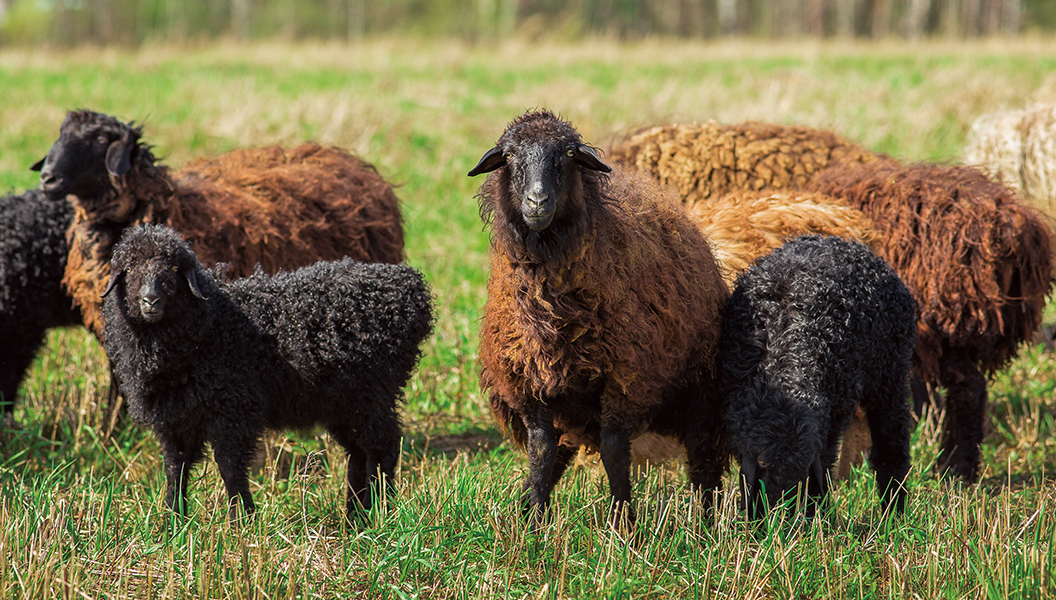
{"x": 537, "y": 198}
{"x": 48, "y": 179}
{"x": 149, "y": 298}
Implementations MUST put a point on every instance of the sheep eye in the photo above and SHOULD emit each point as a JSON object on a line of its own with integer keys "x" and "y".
{"x": 571, "y": 152}
{"x": 175, "y": 268}
{"x": 508, "y": 156}
{"x": 101, "y": 139}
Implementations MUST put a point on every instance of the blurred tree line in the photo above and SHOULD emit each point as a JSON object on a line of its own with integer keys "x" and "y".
{"x": 130, "y": 22}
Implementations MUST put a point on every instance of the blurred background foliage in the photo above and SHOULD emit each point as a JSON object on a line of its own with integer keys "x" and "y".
{"x": 61, "y": 23}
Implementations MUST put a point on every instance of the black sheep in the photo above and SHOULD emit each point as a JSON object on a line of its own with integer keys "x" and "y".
{"x": 203, "y": 359}
{"x": 813, "y": 330}
{"x": 32, "y": 261}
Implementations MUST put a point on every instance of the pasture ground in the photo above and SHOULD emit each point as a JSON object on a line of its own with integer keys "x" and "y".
{"x": 83, "y": 518}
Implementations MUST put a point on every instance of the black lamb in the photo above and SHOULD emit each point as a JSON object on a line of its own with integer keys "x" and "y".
{"x": 32, "y": 260}
{"x": 201, "y": 358}
{"x": 813, "y": 330}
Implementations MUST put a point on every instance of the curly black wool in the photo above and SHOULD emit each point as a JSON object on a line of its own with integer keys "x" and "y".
{"x": 32, "y": 260}
{"x": 203, "y": 359}
{"x": 811, "y": 331}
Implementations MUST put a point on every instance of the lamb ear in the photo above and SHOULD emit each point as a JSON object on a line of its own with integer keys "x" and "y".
{"x": 192, "y": 282}
{"x": 118, "y": 157}
{"x": 38, "y": 165}
{"x": 492, "y": 159}
{"x": 748, "y": 469}
{"x": 114, "y": 278}
{"x": 588, "y": 157}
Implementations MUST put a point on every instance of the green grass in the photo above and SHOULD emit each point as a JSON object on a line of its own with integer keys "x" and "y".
{"x": 79, "y": 517}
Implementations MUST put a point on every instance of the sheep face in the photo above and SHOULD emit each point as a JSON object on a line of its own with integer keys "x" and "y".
{"x": 91, "y": 148}
{"x": 541, "y": 155}
{"x": 783, "y": 450}
{"x": 153, "y": 275}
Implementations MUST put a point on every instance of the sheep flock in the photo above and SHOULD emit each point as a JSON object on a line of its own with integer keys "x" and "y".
{"x": 752, "y": 293}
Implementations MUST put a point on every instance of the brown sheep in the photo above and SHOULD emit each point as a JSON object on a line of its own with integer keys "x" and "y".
{"x": 603, "y": 312}
{"x": 978, "y": 264}
{"x": 706, "y": 161}
{"x": 279, "y": 208}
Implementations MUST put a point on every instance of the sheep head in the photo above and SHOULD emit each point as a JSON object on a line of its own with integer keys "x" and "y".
{"x": 541, "y": 158}
{"x": 154, "y": 271}
{"x": 92, "y": 148}
{"x": 783, "y": 447}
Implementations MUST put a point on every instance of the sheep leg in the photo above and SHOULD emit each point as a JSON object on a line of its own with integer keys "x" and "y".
{"x": 372, "y": 459}
{"x": 616, "y": 457}
{"x": 15, "y": 366}
{"x": 542, "y": 455}
{"x": 706, "y": 459}
{"x": 965, "y": 415}
{"x": 232, "y": 460}
{"x": 180, "y": 455}
{"x": 890, "y": 426}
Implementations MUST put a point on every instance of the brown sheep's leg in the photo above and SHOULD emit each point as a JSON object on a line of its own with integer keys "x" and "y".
{"x": 616, "y": 456}
{"x": 180, "y": 455}
{"x": 965, "y": 416}
{"x": 542, "y": 454}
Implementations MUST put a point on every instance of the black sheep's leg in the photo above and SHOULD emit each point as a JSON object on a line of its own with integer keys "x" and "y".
{"x": 817, "y": 486}
{"x": 180, "y": 455}
{"x": 616, "y": 456}
{"x": 890, "y": 425}
{"x": 233, "y": 452}
{"x": 751, "y": 488}
{"x": 542, "y": 454}
{"x": 357, "y": 491}
{"x": 707, "y": 456}
{"x": 13, "y": 366}
{"x": 965, "y": 416}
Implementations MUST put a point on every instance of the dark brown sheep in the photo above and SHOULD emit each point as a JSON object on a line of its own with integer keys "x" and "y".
{"x": 276, "y": 207}
{"x": 706, "y": 161}
{"x": 979, "y": 266}
{"x": 603, "y": 312}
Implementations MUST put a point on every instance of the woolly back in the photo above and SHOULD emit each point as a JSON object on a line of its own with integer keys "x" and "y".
{"x": 705, "y": 161}
{"x": 360, "y": 217}
{"x": 977, "y": 261}
{"x": 742, "y": 226}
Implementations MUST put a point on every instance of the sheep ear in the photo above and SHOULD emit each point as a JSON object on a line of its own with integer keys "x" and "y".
{"x": 38, "y": 165}
{"x": 492, "y": 159}
{"x": 118, "y": 157}
{"x": 748, "y": 469}
{"x": 115, "y": 276}
{"x": 192, "y": 282}
{"x": 588, "y": 157}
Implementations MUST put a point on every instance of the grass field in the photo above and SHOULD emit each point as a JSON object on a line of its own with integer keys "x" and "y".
{"x": 82, "y": 518}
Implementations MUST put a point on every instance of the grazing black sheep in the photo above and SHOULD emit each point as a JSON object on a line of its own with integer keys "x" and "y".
{"x": 204, "y": 359}
{"x": 32, "y": 261}
{"x": 813, "y": 330}
{"x": 603, "y": 311}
